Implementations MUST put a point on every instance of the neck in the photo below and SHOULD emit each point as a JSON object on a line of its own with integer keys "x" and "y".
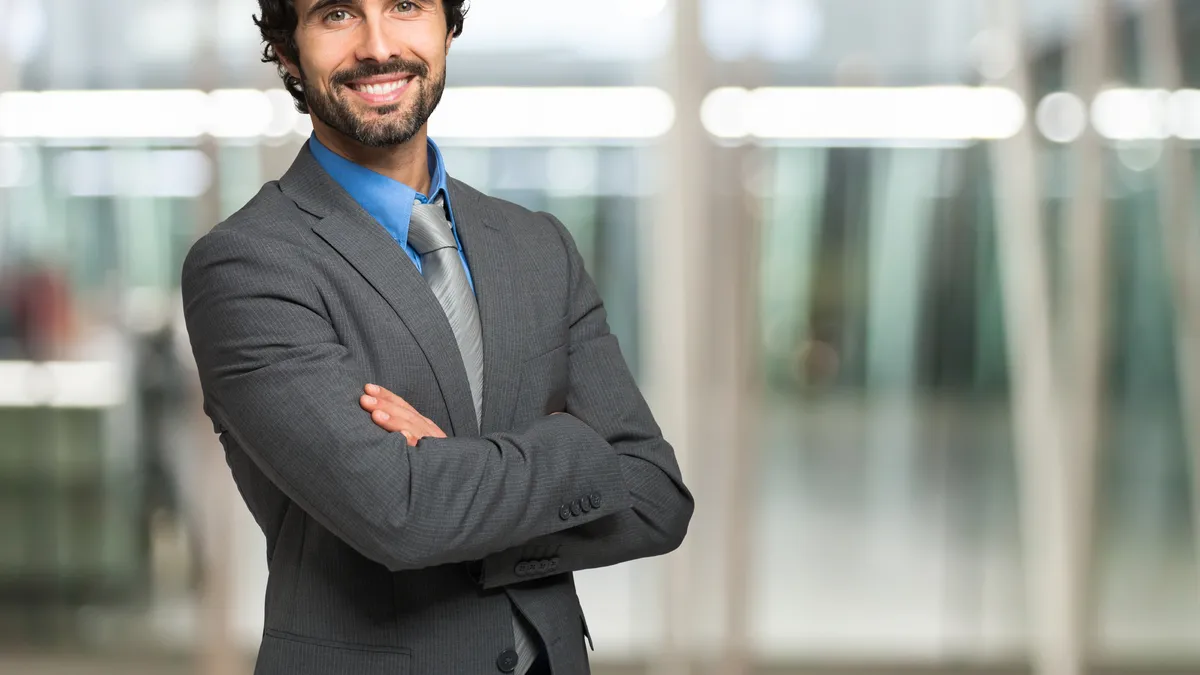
{"x": 407, "y": 163}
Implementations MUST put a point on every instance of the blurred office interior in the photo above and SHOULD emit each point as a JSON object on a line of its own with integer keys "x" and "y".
{"x": 912, "y": 285}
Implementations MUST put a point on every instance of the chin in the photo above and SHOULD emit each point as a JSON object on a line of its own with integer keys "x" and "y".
{"x": 384, "y": 137}
{"x": 388, "y": 110}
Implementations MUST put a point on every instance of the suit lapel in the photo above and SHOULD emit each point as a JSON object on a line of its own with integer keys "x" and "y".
{"x": 364, "y": 244}
{"x": 490, "y": 253}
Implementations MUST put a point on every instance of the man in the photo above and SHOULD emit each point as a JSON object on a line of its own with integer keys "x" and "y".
{"x": 415, "y": 384}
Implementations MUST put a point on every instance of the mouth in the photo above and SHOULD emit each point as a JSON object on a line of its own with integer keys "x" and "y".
{"x": 381, "y": 90}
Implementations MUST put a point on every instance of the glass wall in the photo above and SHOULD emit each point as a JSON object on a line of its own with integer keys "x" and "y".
{"x": 890, "y": 506}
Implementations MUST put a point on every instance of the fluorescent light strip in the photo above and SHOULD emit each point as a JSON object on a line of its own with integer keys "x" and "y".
{"x": 465, "y": 113}
{"x": 103, "y": 114}
{"x": 553, "y": 113}
{"x": 864, "y": 113}
{"x": 60, "y": 384}
{"x": 1138, "y": 114}
{"x": 821, "y": 114}
{"x": 1183, "y": 114}
{"x": 1132, "y": 114}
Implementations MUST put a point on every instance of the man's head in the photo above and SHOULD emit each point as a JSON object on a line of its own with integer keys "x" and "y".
{"x": 373, "y": 70}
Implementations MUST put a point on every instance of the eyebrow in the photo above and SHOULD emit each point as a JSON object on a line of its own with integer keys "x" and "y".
{"x": 321, "y": 5}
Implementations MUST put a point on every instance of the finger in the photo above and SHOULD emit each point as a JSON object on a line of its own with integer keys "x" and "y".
{"x": 384, "y": 394}
{"x": 394, "y": 425}
{"x": 391, "y": 418}
{"x": 368, "y": 403}
{"x": 401, "y": 417}
{"x": 395, "y": 407}
{"x": 371, "y": 404}
{"x": 389, "y": 422}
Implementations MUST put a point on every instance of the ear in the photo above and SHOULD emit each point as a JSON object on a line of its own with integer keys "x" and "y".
{"x": 449, "y": 40}
{"x": 292, "y": 68}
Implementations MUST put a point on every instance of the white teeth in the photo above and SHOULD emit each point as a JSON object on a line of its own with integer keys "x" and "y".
{"x": 381, "y": 89}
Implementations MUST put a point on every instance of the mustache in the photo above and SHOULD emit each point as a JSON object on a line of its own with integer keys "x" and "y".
{"x": 374, "y": 69}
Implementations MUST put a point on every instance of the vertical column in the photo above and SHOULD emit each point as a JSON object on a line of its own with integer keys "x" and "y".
{"x": 1181, "y": 232}
{"x": 1085, "y": 308}
{"x": 217, "y": 653}
{"x": 673, "y": 270}
{"x": 732, "y": 381}
{"x": 733, "y": 363}
{"x": 1046, "y": 514}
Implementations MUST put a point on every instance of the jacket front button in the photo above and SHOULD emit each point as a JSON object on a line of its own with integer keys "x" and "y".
{"x": 507, "y": 661}
{"x": 564, "y": 512}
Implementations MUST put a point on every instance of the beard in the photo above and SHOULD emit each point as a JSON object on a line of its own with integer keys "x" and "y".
{"x": 376, "y": 127}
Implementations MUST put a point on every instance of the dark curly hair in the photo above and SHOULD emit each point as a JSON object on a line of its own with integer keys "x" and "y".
{"x": 278, "y": 28}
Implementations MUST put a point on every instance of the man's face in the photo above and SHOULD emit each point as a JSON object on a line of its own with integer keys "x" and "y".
{"x": 373, "y": 70}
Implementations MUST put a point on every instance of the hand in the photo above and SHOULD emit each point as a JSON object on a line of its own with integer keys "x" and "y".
{"x": 393, "y": 413}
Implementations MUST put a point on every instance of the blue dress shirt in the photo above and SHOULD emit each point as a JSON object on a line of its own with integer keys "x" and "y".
{"x": 389, "y": 201}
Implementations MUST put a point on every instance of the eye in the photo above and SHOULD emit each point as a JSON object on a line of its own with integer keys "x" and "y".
{"x": 337, "y": 16}
{"x": 406, "y": 6}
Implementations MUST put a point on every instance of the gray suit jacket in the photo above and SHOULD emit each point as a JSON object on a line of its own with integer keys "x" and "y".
{"x": 390, "y": 559}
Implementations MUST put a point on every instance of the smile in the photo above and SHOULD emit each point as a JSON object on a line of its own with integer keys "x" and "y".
{"x": 380, "y": 91}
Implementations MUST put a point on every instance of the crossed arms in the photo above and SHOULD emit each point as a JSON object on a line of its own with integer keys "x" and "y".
{"x": 281, "y": 384}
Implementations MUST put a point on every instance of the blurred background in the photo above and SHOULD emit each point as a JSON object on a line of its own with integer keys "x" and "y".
{"x": 913, "y": 286}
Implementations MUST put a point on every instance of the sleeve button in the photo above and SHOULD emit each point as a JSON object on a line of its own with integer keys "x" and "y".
{"x": 507, "y": 661}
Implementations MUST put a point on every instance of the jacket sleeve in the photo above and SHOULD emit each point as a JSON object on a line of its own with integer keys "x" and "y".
{"x": 656, "y": 505}
{"x": 278, "y": 382}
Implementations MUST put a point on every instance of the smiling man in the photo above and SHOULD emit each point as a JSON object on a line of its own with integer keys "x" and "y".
{"x": 415, "y": 384}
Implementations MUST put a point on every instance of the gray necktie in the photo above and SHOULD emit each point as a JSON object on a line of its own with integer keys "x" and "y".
{"x": 429, "y": 233}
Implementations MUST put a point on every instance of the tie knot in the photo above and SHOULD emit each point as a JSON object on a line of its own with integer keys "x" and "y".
{"x": 428, "y": 228}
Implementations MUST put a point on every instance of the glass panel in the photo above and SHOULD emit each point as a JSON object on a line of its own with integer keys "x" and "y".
{"x": 890, "y": 524}
{"x": 1147, "y": 573}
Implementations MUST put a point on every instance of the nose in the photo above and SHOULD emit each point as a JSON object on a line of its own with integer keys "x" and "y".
{"x": 374, "y": 44}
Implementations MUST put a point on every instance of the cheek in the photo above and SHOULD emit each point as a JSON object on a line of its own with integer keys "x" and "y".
{"x": 324, "y": 56}
{"x": 421, "y": 43}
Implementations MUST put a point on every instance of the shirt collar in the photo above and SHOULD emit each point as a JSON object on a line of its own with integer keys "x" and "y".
{"x": 437, "y": 175}
{"x": 387, "y": 200}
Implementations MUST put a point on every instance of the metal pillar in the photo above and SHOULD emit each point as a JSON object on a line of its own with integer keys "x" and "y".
{"x": 734, "y": 386}
{"x": 218, "y": 655}
{"x": 676, "y": 244}
{"x": 1043, "y": 470}
{"x": 1085, "y": 308}
{"x": 1181, "y": 232}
